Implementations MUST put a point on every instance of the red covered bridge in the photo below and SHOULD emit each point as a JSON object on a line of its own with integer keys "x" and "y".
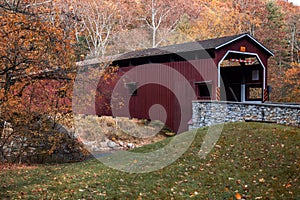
{"x": 160, "y": 83}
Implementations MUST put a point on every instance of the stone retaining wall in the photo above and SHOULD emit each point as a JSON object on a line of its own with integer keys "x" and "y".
{"x": 206, "y": 113}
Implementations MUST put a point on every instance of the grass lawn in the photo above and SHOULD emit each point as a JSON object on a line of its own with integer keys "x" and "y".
{"x": 250, "y": 160}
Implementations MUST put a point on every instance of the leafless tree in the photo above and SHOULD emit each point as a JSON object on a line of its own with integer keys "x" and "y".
{"x": 162, "y": 19}
{"x": 99, "y": 21}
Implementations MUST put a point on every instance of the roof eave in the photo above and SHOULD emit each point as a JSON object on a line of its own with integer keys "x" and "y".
{"x": 249, "y": 36}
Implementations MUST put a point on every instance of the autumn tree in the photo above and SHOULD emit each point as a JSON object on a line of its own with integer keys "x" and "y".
{"x": 278, "y": 34}
{"x": 36, "y": 49}
{"x": 291, "y": 52}
{"x": 292, "y": 15}
{"x": 291, "y": 82}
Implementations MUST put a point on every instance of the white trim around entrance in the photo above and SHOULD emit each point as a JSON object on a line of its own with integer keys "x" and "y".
{"x": 245, "y": 53}
{"x": 249, "y": 36}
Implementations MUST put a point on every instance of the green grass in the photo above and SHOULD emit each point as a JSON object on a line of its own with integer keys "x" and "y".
{"x": 256, "y": 160}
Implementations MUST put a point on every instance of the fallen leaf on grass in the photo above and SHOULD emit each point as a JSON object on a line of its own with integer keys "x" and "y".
{"x": 262, "y": 180}
{"x": 238, "y": 196}
{"x": 288, "y": 185}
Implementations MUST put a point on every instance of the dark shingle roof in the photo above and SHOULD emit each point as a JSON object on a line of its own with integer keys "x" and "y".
{"x": 186, "y": 47}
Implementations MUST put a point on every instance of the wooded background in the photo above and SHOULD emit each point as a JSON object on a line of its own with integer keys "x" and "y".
{"x": 41, "y": 40}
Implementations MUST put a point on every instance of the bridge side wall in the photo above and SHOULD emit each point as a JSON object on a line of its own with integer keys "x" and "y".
{"x": 206, "y": 113}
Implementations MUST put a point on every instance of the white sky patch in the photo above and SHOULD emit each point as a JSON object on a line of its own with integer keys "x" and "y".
{"x": 295, "y": 2}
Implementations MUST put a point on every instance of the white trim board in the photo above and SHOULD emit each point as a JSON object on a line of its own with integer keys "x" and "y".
{"x": 245, "y": 53}
{"x": 249, "y": 36}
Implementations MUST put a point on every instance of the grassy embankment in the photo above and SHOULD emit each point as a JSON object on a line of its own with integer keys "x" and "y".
{"x": 252, "y": 160}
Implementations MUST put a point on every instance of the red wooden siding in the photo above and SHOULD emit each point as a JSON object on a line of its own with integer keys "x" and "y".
{"x": 163, "y": 82}
{"x": 45, "y": 96}
{"x": 171, "y": 84}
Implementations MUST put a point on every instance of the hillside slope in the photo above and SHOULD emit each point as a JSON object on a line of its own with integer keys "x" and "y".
{"x": 250, "y": 161}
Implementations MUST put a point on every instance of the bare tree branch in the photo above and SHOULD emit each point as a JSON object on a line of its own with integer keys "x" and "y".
{"x": 159, "y": 15}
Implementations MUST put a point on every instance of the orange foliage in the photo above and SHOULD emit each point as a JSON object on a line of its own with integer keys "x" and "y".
{"x": 292, "y": 82}
{"x": 34, "y": 48}
{"x": 30, "y": 47}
